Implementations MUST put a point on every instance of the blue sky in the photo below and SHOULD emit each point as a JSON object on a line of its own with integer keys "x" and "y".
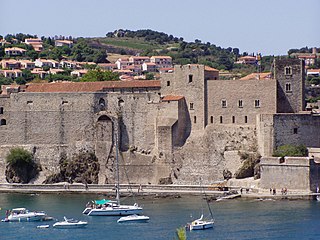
{"x": 267, "y": 26}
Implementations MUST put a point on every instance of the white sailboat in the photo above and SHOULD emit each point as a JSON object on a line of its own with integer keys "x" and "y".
{"x": 113, "y": 208}
{"x": 201, "y": 223}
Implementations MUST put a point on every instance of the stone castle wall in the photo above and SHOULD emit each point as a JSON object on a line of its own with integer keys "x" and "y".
{"x": 178, "y": 140}
{"x": 245, "y": 91}
{"x": 300, "y": 173}
{"x": 274, "y": 130}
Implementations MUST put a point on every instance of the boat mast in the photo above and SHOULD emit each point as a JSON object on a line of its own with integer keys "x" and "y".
{"x": 205, "y": 195}
{"x": 117, "y": 162}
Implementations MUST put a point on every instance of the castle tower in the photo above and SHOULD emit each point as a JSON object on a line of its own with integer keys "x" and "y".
{"x": 290, "y": 77}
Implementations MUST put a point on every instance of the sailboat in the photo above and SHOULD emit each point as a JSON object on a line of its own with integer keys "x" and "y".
{"x": 201, "y": 223}
{"x": 112, "y": 208}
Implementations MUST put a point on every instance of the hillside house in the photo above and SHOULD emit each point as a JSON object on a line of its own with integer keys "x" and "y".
{"x": 10, "y": 64}
{"x": 15, "y": 51}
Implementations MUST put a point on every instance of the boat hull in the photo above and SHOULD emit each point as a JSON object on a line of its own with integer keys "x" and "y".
{"x": 133, "y": 218}
{"x": 202, "y": 226}
{"x": 114, "y": 211}
{"x": 70, "y": 225}
{"x": 32, "y": 217}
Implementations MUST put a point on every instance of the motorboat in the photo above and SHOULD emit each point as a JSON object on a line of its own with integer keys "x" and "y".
{"x": 70, "y": 223}
{"x": 200, "y": 224}
{"x": 22, "y": 214}
{"x": 133, "y": 218}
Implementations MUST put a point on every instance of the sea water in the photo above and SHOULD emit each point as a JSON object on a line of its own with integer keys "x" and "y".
{"x": 234, "y": 219}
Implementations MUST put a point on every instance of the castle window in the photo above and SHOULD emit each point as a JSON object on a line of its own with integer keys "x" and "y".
{"x": 64, "y": 102}
{"x": 120, "y": 103}
{"x": 191, "y": 106}
{"x": 288, "y": 87}
{"x": 1, "y": 110}
{"x": 257, "y": 103}
{"x": 245, "y": 119}
{"x": 221, "y": 119}
{"x": 194, "y": 119}
{"x": 3, "y": 122}
{"x": 168, "y": 83}
{"x": 240, "y": 104}
{"x": 288, "y": 70}
{"x": 211, "y": 119}
{"x": 233, "y": 119}
{"x": 295, "y": 131}
{"x": 30, "y": 102}
{"x": 190, "y": 78}
{"x": 223, "y": 103}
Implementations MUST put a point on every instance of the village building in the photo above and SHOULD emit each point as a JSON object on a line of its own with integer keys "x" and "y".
{"x": 60, "y": 43}
{"x": 27, "y": 64}
{"x": 161, "y": 61}
{"x": 79, "y": 73}
{"x": 15, "y": 51}
{"x": 36, "y": 43}
{"x": 11, "y": 73}
{"x": 10, "y": 64}
{"x": 247, "y": 60}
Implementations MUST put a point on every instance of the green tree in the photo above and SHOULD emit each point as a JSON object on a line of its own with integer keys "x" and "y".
{"x": 5, "y": 81}
{"x": 149, "y": 76}
{"x": 19, "y": 156}
{"x": 97, "y": 75}
{"x": 291, "y": 151}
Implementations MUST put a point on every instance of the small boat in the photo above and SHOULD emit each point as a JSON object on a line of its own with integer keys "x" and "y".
{"x": 70, "y": 223}
{"x": 133, "y": 218}
{"x": 200, "y": 224}
{"x": 22, "y": 214}
{"x": 43, "y": 226}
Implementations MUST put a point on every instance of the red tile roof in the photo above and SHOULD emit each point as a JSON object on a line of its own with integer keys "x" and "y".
{"x": 207, "y": 68}
{"x": 257, "y": 76}
{"x": 172, "y": 98}
{"x": 90, "y": 86}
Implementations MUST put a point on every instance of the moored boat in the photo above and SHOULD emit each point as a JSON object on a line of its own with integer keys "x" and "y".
{"x": 200, "y": 224}
{"x": 133, "y": 218}
{"x": 24, "y": 215}
{"x": 70, "y": 223}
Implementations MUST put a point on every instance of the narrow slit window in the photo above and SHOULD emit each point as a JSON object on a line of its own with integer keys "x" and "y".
{"x": 194, "y": 119}
{"x": 211, "y": 119}
{"x": 240, "y": 104}
{"x": 257, "y": 103}
{"x": 223, "y": 103}
{"x": 190, "y": 78}
{"x": 221, "y": 120}
{"x": 288, "y": 87}
{"x": 168, "y": 83}
{"x": 191, "y": 106}
{"x": 245, "y": 119}
{"x": 233, "y": 119}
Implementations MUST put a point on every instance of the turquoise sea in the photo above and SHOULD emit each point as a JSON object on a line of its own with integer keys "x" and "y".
{"x": 234, "y": 219}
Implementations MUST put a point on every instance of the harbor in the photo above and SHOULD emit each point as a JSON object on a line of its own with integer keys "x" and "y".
{"x": 265, "y": 219}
